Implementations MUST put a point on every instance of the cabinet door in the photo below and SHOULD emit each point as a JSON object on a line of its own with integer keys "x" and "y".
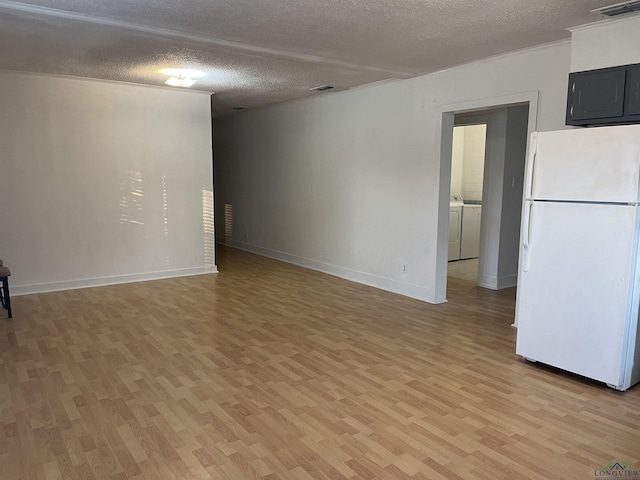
{"x": 633, "y": 91}
{"x": 596, "y": 94}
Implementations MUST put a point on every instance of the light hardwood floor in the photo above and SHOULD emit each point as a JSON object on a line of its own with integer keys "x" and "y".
{"x": 463, "y": 270}
{"x": 267, "y": 370}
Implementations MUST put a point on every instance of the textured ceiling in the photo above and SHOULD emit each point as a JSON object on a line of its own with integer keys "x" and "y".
{"x": 262, "y": 52}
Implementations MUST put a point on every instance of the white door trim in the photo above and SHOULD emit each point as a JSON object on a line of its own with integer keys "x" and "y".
{"x": 444, "y": 131}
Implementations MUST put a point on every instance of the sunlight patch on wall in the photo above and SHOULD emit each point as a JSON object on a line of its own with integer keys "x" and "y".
{"x": 208, "y": 230}
{"x": 165, "y": 209}
{"x": 228, "y": 223}
{"x": 165, "y": 222}
{"x": 131, "y": 198}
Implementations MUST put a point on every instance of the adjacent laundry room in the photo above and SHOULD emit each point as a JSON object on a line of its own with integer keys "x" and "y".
{"x": 467, "y": 170}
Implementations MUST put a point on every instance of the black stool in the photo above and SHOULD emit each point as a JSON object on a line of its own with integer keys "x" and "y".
{"x": 5, "y": 299}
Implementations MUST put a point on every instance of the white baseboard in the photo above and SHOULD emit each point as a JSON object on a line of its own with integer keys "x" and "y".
{"x": 402, "y": 288}
{"x": 507, "y": 281}
{"x": 488, "y": 282}
{"x": 497, "y": 283}
{"x": 17, "y": 290}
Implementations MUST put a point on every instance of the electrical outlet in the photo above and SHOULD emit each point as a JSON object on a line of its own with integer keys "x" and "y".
{"x": 404, "y": 268}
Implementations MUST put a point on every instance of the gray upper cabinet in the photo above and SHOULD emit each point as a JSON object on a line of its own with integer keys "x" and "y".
{"x": 606, "y": 96}
{"x": 633, "y": 91}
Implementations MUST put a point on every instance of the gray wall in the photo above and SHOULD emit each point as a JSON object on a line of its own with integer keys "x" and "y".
{"x": 513, "y": 179}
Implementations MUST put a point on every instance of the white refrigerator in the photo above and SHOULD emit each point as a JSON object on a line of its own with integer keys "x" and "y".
{"x": 578, "y": 292}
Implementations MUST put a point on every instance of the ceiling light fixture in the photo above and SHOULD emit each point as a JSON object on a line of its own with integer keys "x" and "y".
{"x": 180, "y": 82}
{"x": 181, "y": 77}
{"x": 182, "y": 72}
{"x": 619, "y": 8}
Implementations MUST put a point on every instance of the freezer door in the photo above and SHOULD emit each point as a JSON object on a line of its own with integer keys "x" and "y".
{"x": 572, "y": 308}
{"x": 585, "y": 165}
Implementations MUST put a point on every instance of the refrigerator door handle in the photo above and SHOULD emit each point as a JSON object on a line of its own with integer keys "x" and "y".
{"x": 526, "y": 236}
{"x": 531, "y": 165}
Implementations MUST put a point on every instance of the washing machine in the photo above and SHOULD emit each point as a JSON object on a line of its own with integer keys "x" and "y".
{"x": 470, "y": 234}
{"x": 455, "y": 227}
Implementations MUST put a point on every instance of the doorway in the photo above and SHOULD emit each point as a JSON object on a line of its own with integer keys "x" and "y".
{"x": 509, "y": 120}
{"x": 467, "y": 174}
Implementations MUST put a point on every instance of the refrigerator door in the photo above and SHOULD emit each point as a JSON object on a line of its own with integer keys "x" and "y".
{"x": 585, "y": 165}
{"x": 572, "y": 308}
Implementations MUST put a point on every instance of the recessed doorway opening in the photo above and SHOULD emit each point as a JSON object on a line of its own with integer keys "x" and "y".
{"x": 467, "y": 174}
{"x": 509, "y": 122}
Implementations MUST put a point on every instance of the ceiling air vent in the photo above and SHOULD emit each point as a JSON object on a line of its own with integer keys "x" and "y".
{"x": 321, "y": 88}
{"x": 619, "y": 8}
{"x": 239, "y": 107}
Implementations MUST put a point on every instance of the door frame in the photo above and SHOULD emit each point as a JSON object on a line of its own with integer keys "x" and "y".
{"x": 444, "y": 130}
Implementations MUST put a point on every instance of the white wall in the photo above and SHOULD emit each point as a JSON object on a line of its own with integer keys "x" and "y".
{"x": 348, "y": 182}
{"x": 102, "y": 182}
{"x": 606, "y": 44}
{"x": 457, "y": 161}
{"x": 473, "y": 161}
{"x": 467, "y": 161}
